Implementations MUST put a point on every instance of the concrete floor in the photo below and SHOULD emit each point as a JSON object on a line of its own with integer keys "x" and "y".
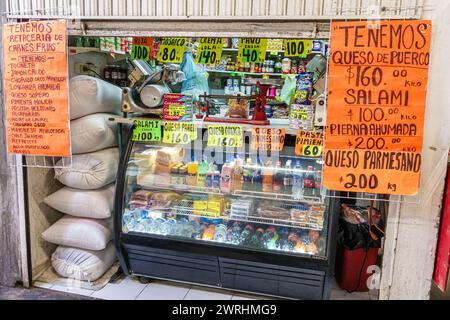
{"x": 38, "y": 294}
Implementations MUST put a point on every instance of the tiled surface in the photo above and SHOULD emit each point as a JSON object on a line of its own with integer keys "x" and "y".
{"x": 199, "y": 293}
{"x": 131, "y": 289}
{"x": 125, "y": 289}
{"x": 164, "y": 291}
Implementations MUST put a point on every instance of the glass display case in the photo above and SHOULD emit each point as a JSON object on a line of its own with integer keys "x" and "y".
{"x": 238, "y": 204}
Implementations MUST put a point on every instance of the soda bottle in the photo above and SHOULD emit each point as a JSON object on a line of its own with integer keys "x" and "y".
{"x": 278, "y": 178}
{"x": 282, "y": 242}
{"x": 318, "y": 184}
{"x": 257, "y": 239}
{"x": 247, "y": 234}
{"x": 220, "y": 233}
{"x": 308, "y": 182}
{"x": 287, "y": 178}
{"x": 267, "y": 177}
{"x": 270, "y": 238}
{"x": 234, "y": 234}
{"x": 293, "y": 239}
{"x": 297, "y": 183}
{"x": 237, "y": 174}
{"x": 201, "y": 173}
{"x": 248, "y": 174}
{"x": 257, "y": 176}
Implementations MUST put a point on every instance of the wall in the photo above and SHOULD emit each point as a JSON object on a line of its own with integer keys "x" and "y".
{"x": 222, "y": 9}
{"x": 412, "y": 229}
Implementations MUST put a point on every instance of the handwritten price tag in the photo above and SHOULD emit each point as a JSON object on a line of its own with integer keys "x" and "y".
{"x": 177, "y": 110}
{"x": 142, "y": 48}
{"x": 297, "y": 48}
{"x": 309, "y": 143}
{"x": 171, "y": 50}
{"x": 299, "y": 114}
{"x": 267, "y": 139}
{"x": 252, "y": 50}
{"x": 209, "y": 51}
{"x": 146, "y": 130}
{"x": 225, "y": 136}
{"x": 179, "y": 132}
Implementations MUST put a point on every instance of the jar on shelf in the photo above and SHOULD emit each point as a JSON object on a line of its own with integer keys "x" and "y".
{"x": 286, "y": 66}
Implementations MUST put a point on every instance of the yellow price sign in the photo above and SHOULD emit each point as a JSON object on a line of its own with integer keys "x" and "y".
{"x": 299, "y": 114}
{"x": 252, "y": 50}
{"x": 177, "y": 110}
{"x": 209, "y": 51}
{"x": 311, "y": 151}
{"x": 225, "y": 136}
{"x": 297, "y": 48}
{"x": 179, "y": 132}
{"x": 171, "y": 50}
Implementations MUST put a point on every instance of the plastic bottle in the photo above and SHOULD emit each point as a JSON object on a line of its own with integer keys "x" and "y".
{"x": 237, "y": 174}
{"x": 308, "y": 182}
{"x": 287, "y": 178}
{"x": 246, "y": 234}
{"x": 247, "y": 174}
{"x": 278, "y": 178}
{"x": 267, "y": 177}
{"x": 201, "y": 172}
{"x": 191, "y": 177}
{"x": 226, "y": 177}
{"x": 220, "y": 233}
{"x": 297, "y": 183}
{"x": 257, "y": 176}
{"x": 318, "y": 184}
{"x": 257, "y": 238}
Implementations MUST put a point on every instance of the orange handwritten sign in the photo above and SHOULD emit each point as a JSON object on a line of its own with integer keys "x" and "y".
{"x": 267, "y": 139}
{"x": 36, "y": 99}
{"x": 378, "y": 74}
{"x": 308, "y": 143}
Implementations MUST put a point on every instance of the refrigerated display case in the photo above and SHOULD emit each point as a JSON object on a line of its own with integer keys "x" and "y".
{"x": 245, "y": 222}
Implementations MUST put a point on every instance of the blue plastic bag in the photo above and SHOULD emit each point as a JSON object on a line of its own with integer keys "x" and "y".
{"x": 196, "y": 82}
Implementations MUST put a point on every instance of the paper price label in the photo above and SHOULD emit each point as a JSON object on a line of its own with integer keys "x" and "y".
{"x": 209, "y": 51}
{"x": 267, "y": 139}
{"x": 146, "y": 130}
{"x": 225, "y": 136}
{"x": 299, "y": 114}
{"x": 309, "y": 143}
{"x": 179, "y": 132}
{"x": 297, "y": 48}
{"x": 252, "y": 50}
{"x": 171, "y": 50}
{"x": 142, "y": 48}
{"x": 177, "y": 110}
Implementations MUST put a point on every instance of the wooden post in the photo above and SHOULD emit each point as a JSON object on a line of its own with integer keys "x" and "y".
{"x": 10, "y": 261}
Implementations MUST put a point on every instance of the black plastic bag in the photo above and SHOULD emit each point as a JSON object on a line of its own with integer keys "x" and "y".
{"x": 354, "y": 236}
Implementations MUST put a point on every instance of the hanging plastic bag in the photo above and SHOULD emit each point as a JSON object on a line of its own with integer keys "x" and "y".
{"x": 196, "y": 82}
{"x": 288, "y": 90}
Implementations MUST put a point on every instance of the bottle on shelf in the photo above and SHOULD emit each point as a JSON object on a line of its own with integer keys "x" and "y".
{"x": 226, "y": 177}
{"x": 257, "y": 176}
{"x": 237, "y": 174}
{"x": 191, "y": 177}
{"x": 201, "y": 172}
{"x": 287, "y": 178}
{"x": 297, "y": 183}
{"x": 308, "y": 182}
{"x": 247, "y": 174}
{"x": 318, "y": 183}
{"x": 182, "y": 172}
{"x": 247, "y": 234}
{"x": 267, "y": 177}
{"x": 278, "y": 178}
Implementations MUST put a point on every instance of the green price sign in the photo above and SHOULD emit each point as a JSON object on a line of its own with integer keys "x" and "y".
{"x": 251, "y": 55}
{"x": 147, "y": 130}
{"x": 140, "y": 52}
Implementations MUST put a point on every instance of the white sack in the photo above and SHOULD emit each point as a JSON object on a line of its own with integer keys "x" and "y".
{"x": 83, "y": 265}
{"x": 83, "y": 233}
{"x": 92, "y": 133}
{"x": 97, "y": 204}
{"x": 88, "y": 95}
{"x": 90, "y": 170}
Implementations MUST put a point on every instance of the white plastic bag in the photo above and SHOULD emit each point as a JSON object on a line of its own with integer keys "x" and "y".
{"x": 83, "y": 233}
{"x": 90, "y": 170}
{"x": 88, "y": 95}
{"x": 83, "y": 265}
{"x": 96, "y": 204}
{"x": 92, "y": 133}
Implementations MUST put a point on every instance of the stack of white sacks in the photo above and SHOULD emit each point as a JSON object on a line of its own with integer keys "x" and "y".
{"x": 83, "y": 235}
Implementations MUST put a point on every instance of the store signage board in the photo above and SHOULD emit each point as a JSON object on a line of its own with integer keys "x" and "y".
{"x": 252, "y": 50}
{"x": 270, "y": 139}
{"x": 377, "y": 82}
{"x": 177, "y": 107}
{"x": 308, "y": 143}
{"x": 171, "y": 50}
{"x": 209, "y": 51}
{"x": 36, "y": 88}
{"x": 146, "y": 130}
{"x": 297, "y": 48}
{"x": 142, "y": 49}
{"x": 179, "y": 132}
{"x": 225, "y": 136}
